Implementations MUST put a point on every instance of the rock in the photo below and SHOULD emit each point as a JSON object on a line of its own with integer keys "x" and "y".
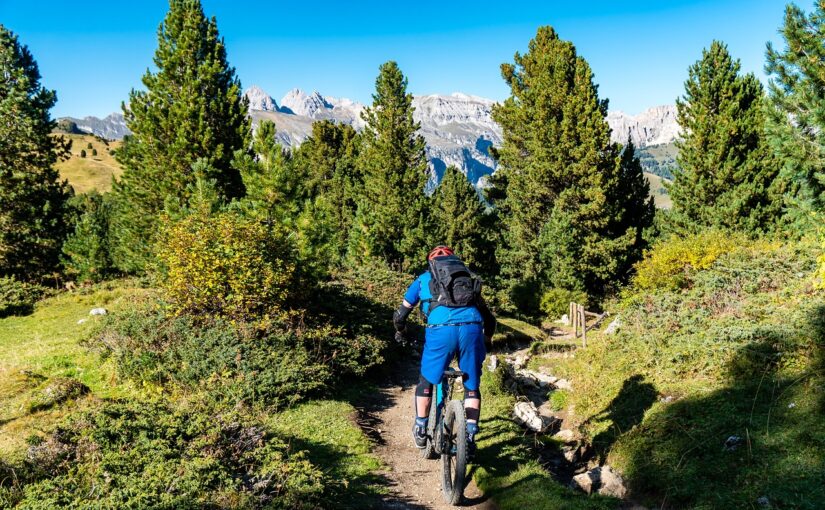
{"x": 519, "y": 362}
{"x": 600, "y": 480}
{"x": 563, "y": 384}
{"x": 667, "y": 399}
{"x": 493, "y": 363}
{"x": 764, "y": 502}
{"x": 613, "y": 327}
{"x": 82, "y": 321}
{"x": 526, "y": 414}
{"x": 55, "y": 391}
{"x": 571, "y": 454}
{"x": 791, "y": 405}
{"x": 98, "y": 311}
{"x": 565, "y": 435}
{"x": 732, "y": 443}
{"x": 564, "y": 320}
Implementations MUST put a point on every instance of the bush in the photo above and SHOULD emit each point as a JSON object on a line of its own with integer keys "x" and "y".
{"x": 672, "y": 262}
{"x": 89, "y": 145}
{"x": 18, "y": 298}
{"x": 151, "y": 455}
{"x": 821, "y": 271}
{"x": 232, "y": 363}
{"x": 94, "y": 152}
{"x": 226, "y": 265}
{"x": 56, "y": 391}
{"x": 87, "y": 255}
{"x": 556, "y": 302}
{"x": 82, "y": 153}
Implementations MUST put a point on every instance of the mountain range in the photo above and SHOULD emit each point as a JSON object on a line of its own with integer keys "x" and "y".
{"x": 458, "y": 128}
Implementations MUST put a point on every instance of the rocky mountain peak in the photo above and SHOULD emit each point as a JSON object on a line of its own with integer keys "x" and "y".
{"x": 297, "y": 102}
{"x": 260, "y": 100}
{"x": 653, "y": 126}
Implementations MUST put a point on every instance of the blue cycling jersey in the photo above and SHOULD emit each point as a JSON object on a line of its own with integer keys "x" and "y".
{"x": 419, "y": 291}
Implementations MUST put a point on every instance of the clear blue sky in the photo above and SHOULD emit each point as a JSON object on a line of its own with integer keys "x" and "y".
{"x": 94, "y": 52}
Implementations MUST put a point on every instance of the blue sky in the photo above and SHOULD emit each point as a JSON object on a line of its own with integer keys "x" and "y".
{"x": 94, "y": 52}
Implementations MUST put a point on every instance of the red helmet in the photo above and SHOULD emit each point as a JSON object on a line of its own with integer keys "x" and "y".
{"x": 440, "y": 251}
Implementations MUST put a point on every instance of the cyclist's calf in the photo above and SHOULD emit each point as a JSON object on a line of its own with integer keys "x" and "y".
{"x": 472, "y": 404}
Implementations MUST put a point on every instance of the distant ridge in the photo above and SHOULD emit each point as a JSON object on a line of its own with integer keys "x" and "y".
{"x": 458, "y": 128}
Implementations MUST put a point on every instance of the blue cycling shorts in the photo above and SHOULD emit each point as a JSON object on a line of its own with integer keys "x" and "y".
{"x": 443, "y": 342}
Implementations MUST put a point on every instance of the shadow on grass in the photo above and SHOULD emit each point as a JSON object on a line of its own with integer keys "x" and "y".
{"x": 624, "y": 412}
{"x": 761, "y": 436}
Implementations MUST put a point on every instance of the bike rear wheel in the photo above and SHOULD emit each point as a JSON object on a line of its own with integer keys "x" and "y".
{"x": 428, "y": 452}
{"x": 454, "y": 452}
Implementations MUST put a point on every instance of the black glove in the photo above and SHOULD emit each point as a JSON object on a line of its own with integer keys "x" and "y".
{"x": 400, "y": 338}
{"x": 399, "y": 318}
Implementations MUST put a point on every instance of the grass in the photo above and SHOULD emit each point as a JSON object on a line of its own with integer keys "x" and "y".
{"x": 91, "y": 172}
{"x": 506, "y": 469}
{"x": 657, "y": 190}
{"x": 738, "y": 352}
{"x": 327, "y": 431}
{"x": 47, "y": 344}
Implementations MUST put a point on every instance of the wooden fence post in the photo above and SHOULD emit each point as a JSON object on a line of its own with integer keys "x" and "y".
{"x": 584, "y": 326}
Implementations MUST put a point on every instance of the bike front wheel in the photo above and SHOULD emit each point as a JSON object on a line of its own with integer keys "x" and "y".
{"x": 454, "y": 452}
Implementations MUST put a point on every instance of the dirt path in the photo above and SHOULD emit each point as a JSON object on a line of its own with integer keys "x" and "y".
{"x": 414, "y": 483}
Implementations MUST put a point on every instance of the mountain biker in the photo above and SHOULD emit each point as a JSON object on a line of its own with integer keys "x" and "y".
{"x": 451, "y": 328}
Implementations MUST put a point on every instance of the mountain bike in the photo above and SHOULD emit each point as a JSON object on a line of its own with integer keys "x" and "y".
{"x": 447, "y": 437}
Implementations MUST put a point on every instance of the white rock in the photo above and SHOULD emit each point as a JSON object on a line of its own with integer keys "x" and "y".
{"x": 81, "y": 321}
{"x": 601, "y": 480}
{"x": 260, "y": 100}
{"x": 525, "y": 413}
{"x": 493, "y": 363}
{"x": 98, "y": 311}
{"x": 564, "y": 320}
{"x": 613, "y": 327}
{"x": 563, "y": 384}
{"x": 571, "y": 454}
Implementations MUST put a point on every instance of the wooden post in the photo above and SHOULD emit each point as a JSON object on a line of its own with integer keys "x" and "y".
{"x": 574, "y": 317}
{"x": 584, "y": 326}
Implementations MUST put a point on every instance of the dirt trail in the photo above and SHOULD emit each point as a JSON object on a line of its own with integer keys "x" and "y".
{"x": 414, "y": 483}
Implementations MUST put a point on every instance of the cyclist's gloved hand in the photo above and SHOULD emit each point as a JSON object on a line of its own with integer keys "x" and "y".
{"x": 399, "y": 318}
{"x": 400, "y": 338}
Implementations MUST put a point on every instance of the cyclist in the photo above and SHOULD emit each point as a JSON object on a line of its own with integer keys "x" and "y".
{"x": 458, "y": 321}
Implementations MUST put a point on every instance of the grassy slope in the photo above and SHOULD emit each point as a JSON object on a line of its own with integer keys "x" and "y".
{"x": 91, "y": 172}
{"x": 47, "y": 344}
{"x": 741, "y": 353}
{"x": 658, "y": 191}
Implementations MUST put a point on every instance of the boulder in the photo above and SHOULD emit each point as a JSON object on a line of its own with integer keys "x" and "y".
{"x": 613, "y": 327}
{"x": 493, "y": 363}
{"x": 526, "y": 414}
{"x": 563, "y": 384}
{"x": 98, "y": 311}
{"x": 601, "y": 480}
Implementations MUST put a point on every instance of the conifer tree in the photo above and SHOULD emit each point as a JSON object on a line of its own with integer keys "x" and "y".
{"x": 726, "y": 175}
{"x": 458, "y": 219}
{"x": 332, "y": 182}
{"x": 86, "y": 252}
{"x": 796, "y": 118}
{"x": 192, "y": 109}
{"x": 391, "y": 223}
{"x": 32, "y": 195}
{"x": 565, "y": 208}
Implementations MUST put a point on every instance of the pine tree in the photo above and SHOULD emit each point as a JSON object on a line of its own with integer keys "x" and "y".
{"x": 192, "y": 109}
{"x": 796, "y": 116}
{"x": 726, "y": 173}
{"x": 332, "y": 182}
{"x": 458, "y": 219}
{"x": 86, "y": 252}
{"x": 565, "y": 210}
{"x": 391, "y": 223}
{"x": 32, "y": 196}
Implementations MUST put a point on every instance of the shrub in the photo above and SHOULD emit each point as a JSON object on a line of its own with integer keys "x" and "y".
{"x": 89, "y": 145}
{"x": 87, "y": 254}
{"x": 18, "y": 298}
{"x": 151, "y": 455}
{"x": 82, "y": 153}
{"x": 56, "y": 391}
{"x": 233, "y": 363}
{"x": 672, "y": 262}
{"x": 226, "y": 265}
{"x": 820, "y": 273}
{"x": 556, "y": 302}
{"x": 94, "y": 152}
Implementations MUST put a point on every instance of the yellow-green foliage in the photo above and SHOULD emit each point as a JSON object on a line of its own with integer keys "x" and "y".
{"x": 226, "y": 265}
{"x": 821, "y": 272}
{"x": 671, "y": 262}
{"x": 555, "y": 302}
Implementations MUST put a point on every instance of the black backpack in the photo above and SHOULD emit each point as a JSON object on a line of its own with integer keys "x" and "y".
{"x": 452, "y": 284}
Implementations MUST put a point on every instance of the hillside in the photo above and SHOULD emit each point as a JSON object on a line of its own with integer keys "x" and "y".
{"x": 93, "y": 171}
{"x": 659, "y": 159}
{"x": 710, "y": 394}
{"x": 658, "y": 191}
